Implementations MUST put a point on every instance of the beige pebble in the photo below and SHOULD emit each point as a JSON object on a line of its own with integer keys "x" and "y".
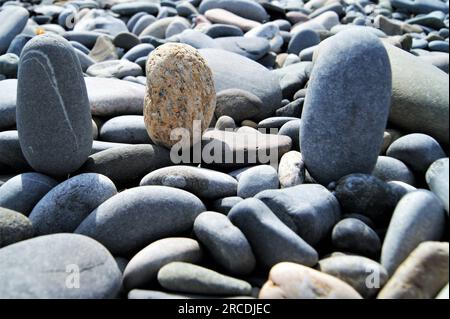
{"x": 294, "y": 281}
{"x": 180, "y": 90}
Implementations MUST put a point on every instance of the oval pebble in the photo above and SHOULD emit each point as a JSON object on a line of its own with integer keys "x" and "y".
{"x": 63, "y": 208}
{"x": 189, "y": 278}
{"x": 204, "y": 183}
{"x": 128, "y": 129}
{"x": 271, "y": 240}
{"x": 152, "y": 212}
{"x": 22, "y": 192}
{"x": 256, "y": 180}
{"x": 14, "y": 227}
{"x": 143, "y": 268}
{"x": 225, "y": 242}
{"x": 46, "y": 275}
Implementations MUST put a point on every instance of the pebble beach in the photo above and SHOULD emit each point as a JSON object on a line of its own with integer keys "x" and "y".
{"x": 237, "y": 149}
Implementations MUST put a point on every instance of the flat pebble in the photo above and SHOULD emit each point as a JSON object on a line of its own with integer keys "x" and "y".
{"x": 204, "y": 183}
{"x": 128, "y": 129}
{"x": 225, "y": 242}
{"x": 256, "y": 180}
{"x": 271, "y": 240}
{"x": 143, "y": 268}
{"x": 14, "y": 227}
{"x": 64, "y": 207}
{"x": 437, "y": 178}
{"x": 409, "y": 227}
{"x": 22, "y": 192}
{"x": 144, "y": 209}
{"x": 189, "y": 278}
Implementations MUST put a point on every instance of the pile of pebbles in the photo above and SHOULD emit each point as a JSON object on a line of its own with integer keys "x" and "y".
{"x": 352, "y": 94}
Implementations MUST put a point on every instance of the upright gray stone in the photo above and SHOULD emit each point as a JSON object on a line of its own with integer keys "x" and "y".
{"x": 347, "y": 106}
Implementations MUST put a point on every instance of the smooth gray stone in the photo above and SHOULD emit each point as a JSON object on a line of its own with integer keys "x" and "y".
{"x": 140, "y": 50}
{"x": 8, "y": 92}
{"x": 79, "y": 46}
{"x": 186, "y": 9}
{"x": 252, "y": 48}
{"x": 134, "y": 19}
{"x": 142, "y": 24}
{"x": 433, "y": 20}
{"x": 14, "y": 227}
{"x": 130, "y": 8}
{"x": 401, "y": 187}
{"x": 96, "y": 19}
{"x": 232, "y": 71}
{"x": 85, "y": 60}
{"x": 113, "y": 97}
{"x": 418, "y": 151}
{"x": 335, "y": 7}
{"x": 190, "y": 278}
{"x": 293, "y": 109}
{"x": 291, "y": 59}
{"x": 275, "y": 122}
{"x": 14, "y": 19}
{"x": 99, "y": 146}
{"x": 159, "y": 27}
{"x": 128, "y": 129}
{"x": 390, "y": 169}
{"x": 10, "y": 152}
{"x": 352, "y": 235}
{"x": 127, "y": 165}
{"x": 439, "y": 46}
{"x": 291, "y": 170}
{"x": 409, "y": 227}
{"x": 413, "y": 82}
{"x": 225, "y": 242}
{"x": 437, "y": 178}
{"x": 57, "y": 104}
{"x": 309, "y": 210}
{"x": 366, "y": 195}
{"x": 419, "y": 44}
{"x": 145, "y": 210}
{"x": 143, "y": 268}
{"x": 293, "y": 78}
{"x": 9, "y": 63}
{"x": 223, "y": 30}
{"x": 358, "y": 28}
{"x": 47, "y": 274}
{"x": 86, "y": 38}
{"x": 292, "y": 129}
{"x": 243, "y": 8}
{"x": 175, "y": 28}
{"x": 63, "y": 208}
{"x": 357, "y": 271}
{"x": 347, "y": 107}
{"x": 18, "y": 43}
{"x": 22, "y": 192}
{"x": 224, "y": 205}
{"x": 230, "y": 150}
{"x": 202, "y": 182}
{"x": 126, "y": 40}
{"x": 302, "y": 40}
{"x": 240, "y": 105}
{"x": 271, "y": 240}
{"x": 114, "y": 69}
{"x": 257, "y": 179}
{"x": 195, "y": 39}
{"x": 420, "y": 6}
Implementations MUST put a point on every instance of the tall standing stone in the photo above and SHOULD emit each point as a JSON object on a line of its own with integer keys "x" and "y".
{"x": 53, "y": 112}
{"x": 180, "y": 90}
{"x": 347, "y": 106}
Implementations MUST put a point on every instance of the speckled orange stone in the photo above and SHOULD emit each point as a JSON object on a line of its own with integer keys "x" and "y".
{"x": 180, "y": 90}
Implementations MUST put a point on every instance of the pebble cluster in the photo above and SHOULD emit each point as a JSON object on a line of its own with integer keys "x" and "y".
{"x": 352, "y": 95}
